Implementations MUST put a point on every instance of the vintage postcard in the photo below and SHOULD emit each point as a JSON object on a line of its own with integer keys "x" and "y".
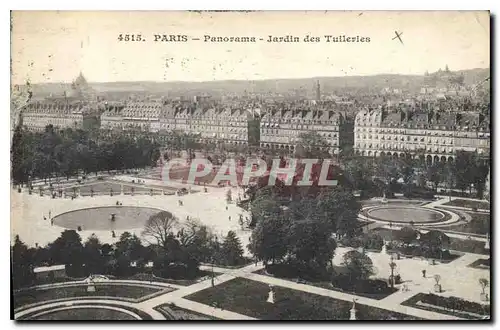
{"x": 293, "y": 165}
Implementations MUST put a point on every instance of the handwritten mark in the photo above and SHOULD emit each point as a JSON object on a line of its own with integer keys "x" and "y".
{"x": 479, "y": 22}
{"x": 398, "y": 36}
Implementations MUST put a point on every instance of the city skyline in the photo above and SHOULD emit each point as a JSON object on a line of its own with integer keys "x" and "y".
{"x": 57, "y": 46}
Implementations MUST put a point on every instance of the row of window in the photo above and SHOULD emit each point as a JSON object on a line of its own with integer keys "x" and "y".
{"x": 403, "y": 138}
{"x": 404, "y": 147}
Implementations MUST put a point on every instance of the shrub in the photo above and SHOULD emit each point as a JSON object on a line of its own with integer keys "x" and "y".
{"x": 373, "y": 241}
{"x": 454, "y": 303}
{"x": 354, "y": 242}
{"x": 397, "y": 279}
{"x": 348, "y": 283}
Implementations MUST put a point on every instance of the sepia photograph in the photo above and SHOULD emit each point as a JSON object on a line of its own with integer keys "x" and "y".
{"x": 250, "y": 165}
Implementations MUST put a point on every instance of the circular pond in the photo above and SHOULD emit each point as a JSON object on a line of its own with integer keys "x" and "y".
{"x": 405, "y": 214}
{"x": 106, "y": 218}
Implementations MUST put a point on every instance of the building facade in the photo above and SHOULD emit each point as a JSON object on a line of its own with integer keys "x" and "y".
{"x": 281, "y": 129}
{"x": 212, "y": 122}
{"x": 75, "y": 108}
{"x": 36, "y": 116}
{"x": 433, "y": 136}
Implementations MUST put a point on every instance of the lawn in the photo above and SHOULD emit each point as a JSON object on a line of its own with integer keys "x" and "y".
{"x": 139, "y": 190}
{"x": 32, "y": 296}
{"x": 470, "y": 246}
{"x": 85, "y": 314}
{"x": 249, "y": 297}
{"x": 480, "y": 264}
{"x": 468, "y": 203}
{"x": 328, "y": 285}
{"x": 173, "y": 312}
{"x": 100, "y": 188}
{"x": 479, "y": 224}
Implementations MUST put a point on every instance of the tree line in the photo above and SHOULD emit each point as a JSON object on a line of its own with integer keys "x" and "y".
{"x": 68, "y": 152}
{"x": 468, "y": 170}
{"x": 176, "y": 252}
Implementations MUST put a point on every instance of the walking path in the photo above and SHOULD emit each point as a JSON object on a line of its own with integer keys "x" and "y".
{"x": 349, "y": 297}
{"x": 453, "y": 211}
{"x": 456, "y": 280}
{"x": 95, "y": 303}
{"x": 111, "y": 281}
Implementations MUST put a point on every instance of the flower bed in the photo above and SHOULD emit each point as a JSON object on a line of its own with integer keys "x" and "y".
{"x": 449, "y": 305}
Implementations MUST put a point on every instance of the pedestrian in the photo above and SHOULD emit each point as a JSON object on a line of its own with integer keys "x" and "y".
{"x": 423, "y": 272}
{"x": 44, "y": 218}
{"x": 226, "y": 207}
{"x": 229, "y": 218}
{"x": 49, "y": 214}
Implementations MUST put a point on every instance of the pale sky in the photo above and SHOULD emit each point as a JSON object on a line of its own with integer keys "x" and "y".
{"x": 56, "y": 46}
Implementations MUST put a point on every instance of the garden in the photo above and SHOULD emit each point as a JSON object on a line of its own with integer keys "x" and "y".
{"x": 406, "y": 243}
{"x": 249, "y": 298}
{"x": 472, "y": 204}
{"x": 130, "y": 292}
{"x": 449, "y": 305}
{"x": 353, "y": 276}
{"x": 480, "y": 264}
{"x": 174, "y": 312}
{"x": 479, "y": 224}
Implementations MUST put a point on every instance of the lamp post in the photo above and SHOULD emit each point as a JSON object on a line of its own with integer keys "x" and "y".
{"x": 213, "y": 260}
{"x": 392, "y": 264}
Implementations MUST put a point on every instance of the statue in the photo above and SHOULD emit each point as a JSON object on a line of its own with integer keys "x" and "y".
{"x": 353, "y": 310}
{"x": 90, "y": 282}
{"x": 270, "y": 297}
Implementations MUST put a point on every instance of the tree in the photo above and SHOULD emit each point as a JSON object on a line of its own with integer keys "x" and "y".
{"x": 433, "y": 242}
{"x": 437, "y": 286}
{"x": 94, "y": 260}
{"x": 68, "y": 249}
{"x": 435, "y": 174}
{"x": 359, "y": 265}
{"x": 465, "y": 169}
{"x": 483, "y": 283}
{"x": 22, "y": 264}
{"x": 314, "y": 145}
{"x": 18, "y": 157}
{"x": 373, "y": 241}
{"x": 311, "y": 243}
{"x": 196, "y": 241}
{"x": 339, "y": 208}
{"x": 359, "y": 172}
{"x": 130, "y": 247}
{"x": 407, "y": 235}
{"x": 231, "y": 250}
{"x": 268, "y": 241}
{"x": 159, "y": 226}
